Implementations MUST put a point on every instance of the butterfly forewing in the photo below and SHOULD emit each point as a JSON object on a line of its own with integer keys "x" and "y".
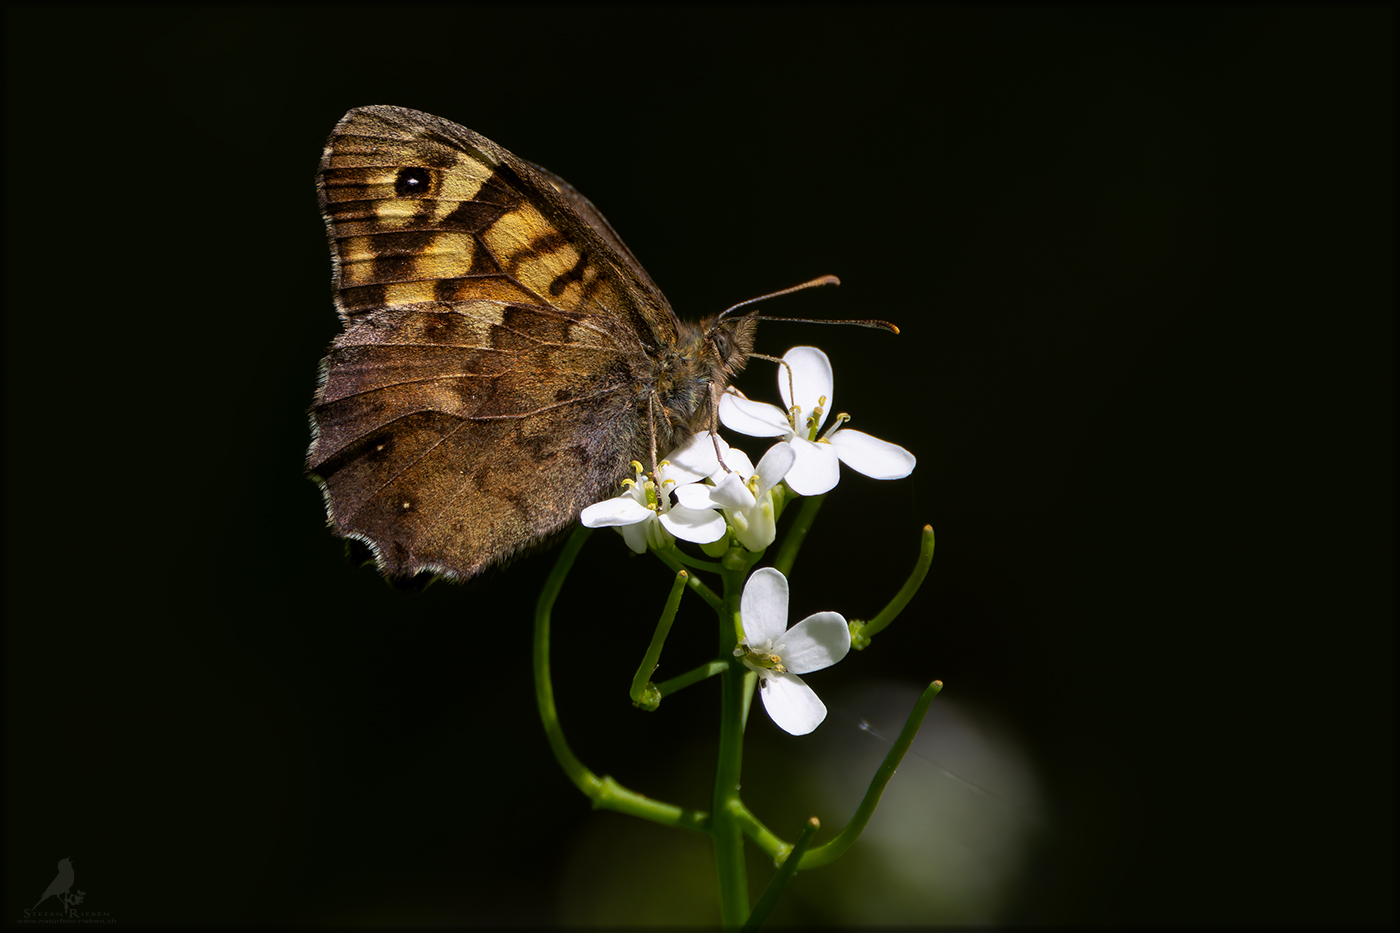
{"x": 492, "y": 377}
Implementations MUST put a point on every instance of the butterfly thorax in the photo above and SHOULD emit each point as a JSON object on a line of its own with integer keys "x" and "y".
{"x": 703, "y": 361}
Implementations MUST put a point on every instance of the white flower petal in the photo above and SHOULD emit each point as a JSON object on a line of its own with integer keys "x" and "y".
{"x": 774, "y": 465}
{"x": 732, "y": 493}
{"x": 756, "y": 419}
{"x": 695, "y": 496}
{"x": 763, "y": 606}
{"x": 635, "y": 536}
{"x": 811, "y": 381}
{"x": 693, "y": 460}
{"x": 791, "y": 703}
{"x": 698, "y": 526}
{"x": 869, "y": 455}
{"x": 756, "y": 527}
{"x": 817, "y": 642}
{"x": 737, "y": 461}
{"x": 620, "y": 510}
{"x": 816, "y": 469}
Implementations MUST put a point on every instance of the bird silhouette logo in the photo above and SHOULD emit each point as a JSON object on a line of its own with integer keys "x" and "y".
{"x": 61, "y": 885}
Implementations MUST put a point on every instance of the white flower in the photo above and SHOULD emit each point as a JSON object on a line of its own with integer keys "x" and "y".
{"x": 746, "y": 494}
{"x": 808, "y": 399}
{"x": 644, "y": 512}
{"x": 778, "y": 654}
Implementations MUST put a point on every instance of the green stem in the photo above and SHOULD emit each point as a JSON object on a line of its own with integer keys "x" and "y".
{"x": 696, "y": 563}
{"x": 835, "y": 848}
{"x": 861, "y": 632}
{"x": 604, "y": 792}
{"x": 700, "y": 589}
{"x": 583, "y": 779}
{"x": 726, "y": 827}
{"x": 766, "y": 839}
{"x": 726, "y": 822}
{"x": 797, "y": 533}
{"x": 786, "y": 870}
{"x": 652, "y": 657}
{"x": 613, "y": 796}
{"x": 668, "y": 687}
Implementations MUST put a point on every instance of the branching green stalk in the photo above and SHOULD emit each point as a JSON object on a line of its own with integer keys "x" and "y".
{"x": 698, "y": 588}
{"x": 786, "y": 870}
{"x": 604, "y": 792}
{"x": 668, "y": 687}
{"x": 832, "y": 850}
{"x": 861, "y": 632}
{"x": 613, "y": 796}
{"x": 658, "y": 640}
{"x": 584, "y": 779}
{"x": 695, "y": 563}
{"x": 766, "y": 839}
{"x": 778, "y": 850}
{"x": 730, "y": 820}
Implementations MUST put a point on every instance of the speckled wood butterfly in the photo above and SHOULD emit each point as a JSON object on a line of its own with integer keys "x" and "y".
{"x": 504, "y": 356}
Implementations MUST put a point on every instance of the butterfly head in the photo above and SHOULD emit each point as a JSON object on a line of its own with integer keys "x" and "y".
{"x": 727, "y": 344}
{"x": 706, "y": 357}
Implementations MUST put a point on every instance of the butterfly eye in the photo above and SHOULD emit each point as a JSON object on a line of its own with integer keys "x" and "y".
{"x": 412, "y": 182}
{"x": 724, "y": 346}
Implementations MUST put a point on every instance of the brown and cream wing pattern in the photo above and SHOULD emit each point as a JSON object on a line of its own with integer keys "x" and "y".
{"x": 490, "y": 380}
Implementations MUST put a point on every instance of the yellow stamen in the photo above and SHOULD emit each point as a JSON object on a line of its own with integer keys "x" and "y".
{"x": 768, "y": 662}
{"x": 840, "y": 420}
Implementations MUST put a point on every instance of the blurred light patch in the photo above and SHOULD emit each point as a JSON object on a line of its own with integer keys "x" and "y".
{"x": 953, "y": 830}
{"x": 947, "y": 845}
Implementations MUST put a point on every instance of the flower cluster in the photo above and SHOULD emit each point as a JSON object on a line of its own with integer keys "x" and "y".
{"x": 705, "y": 490}
{"x": 654, "y": 511}
{"x": 645, "y": 512}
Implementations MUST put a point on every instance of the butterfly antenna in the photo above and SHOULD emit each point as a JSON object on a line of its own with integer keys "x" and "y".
{"x": 820, "y": 280}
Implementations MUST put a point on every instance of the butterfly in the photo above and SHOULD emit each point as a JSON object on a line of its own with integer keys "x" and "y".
{"x": 504, "y": 356}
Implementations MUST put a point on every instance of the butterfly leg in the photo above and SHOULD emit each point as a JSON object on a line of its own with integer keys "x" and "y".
{"x": 714, "y": 423}
{"x": 652, "y": 402}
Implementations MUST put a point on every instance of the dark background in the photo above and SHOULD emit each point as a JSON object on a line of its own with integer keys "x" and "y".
{"x": 1142, "y": 264}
